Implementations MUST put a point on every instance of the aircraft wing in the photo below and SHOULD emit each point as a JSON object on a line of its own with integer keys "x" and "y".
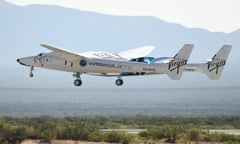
{"x": 135, "y": 53}
{"x": 102, "y": 55}
{"x": 122, "y": 56}
{"x": 65, "y": 54}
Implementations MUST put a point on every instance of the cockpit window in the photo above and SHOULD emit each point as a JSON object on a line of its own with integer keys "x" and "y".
{"x": 41, "y": 54}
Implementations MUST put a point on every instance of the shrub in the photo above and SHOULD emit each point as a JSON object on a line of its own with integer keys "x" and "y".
{"x": 194, "y": 134}
{"x": 117, "y": 137}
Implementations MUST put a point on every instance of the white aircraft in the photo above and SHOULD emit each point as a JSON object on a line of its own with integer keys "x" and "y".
{"x": 127, "y": 63}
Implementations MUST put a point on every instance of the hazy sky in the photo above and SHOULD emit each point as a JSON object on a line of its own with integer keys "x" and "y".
{"x": 191, "y": 13}
{"x": 213, "y": 15}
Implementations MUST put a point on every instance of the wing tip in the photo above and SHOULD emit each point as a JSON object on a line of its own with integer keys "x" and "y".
{"x": 45, "y": 45}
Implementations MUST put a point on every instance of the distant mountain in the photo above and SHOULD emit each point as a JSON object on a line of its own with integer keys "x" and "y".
{"x": 22, "y": 29}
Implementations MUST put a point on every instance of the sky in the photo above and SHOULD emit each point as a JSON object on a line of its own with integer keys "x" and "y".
{"x": 192, "y": 13}
{"x": 213, "y": 15}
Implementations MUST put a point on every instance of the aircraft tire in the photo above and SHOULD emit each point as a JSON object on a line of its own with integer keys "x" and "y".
{"x": 31, "y": 75}
{"x": 119, "y": 82}
{"x": 77, "y": 82}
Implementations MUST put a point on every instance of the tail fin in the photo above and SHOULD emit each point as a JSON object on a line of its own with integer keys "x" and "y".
{"x": 216, "y": 64}
{"x": 177, "y": 66}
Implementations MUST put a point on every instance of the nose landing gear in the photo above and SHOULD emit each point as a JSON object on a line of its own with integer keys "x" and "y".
{"x": 31, "y": 71}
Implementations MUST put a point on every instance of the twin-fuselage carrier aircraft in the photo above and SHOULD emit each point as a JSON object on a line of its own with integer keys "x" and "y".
{"x": 133, "y": 62}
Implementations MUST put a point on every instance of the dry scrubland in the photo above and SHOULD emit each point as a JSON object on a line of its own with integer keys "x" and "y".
{"x": 79, "y": 130}
{"x": 84, "y": 142}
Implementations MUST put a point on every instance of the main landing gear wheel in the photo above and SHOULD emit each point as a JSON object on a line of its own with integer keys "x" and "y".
{"x": 31, "y": 75}
{"x": 78, "y": 82}
{"x": 119, "y": 82}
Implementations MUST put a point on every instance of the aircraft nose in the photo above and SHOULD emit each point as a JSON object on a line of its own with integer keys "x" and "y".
{"x": 20, "y": 62}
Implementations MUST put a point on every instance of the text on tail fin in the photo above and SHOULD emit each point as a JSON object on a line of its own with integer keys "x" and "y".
{"x": 177, "y": 65}
{"x": 217, "y": 63}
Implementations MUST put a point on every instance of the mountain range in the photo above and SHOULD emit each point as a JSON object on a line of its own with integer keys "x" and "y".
{"x": 23, "y": 28}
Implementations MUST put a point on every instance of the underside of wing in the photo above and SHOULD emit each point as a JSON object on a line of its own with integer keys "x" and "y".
{"x": 65, "y": 54}
{"x": 136, "y": 53}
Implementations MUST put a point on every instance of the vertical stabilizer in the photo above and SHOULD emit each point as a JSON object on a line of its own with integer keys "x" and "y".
{"x": 214, "y": 67}
{"x": 216, "y": 64}
{"x": 177, "y": 66}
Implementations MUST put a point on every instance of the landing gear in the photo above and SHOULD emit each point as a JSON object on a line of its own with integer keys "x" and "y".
{"x": 31, "y": 71}
{"x": 78, "y": 81}
{"x": 119, "y": 82}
